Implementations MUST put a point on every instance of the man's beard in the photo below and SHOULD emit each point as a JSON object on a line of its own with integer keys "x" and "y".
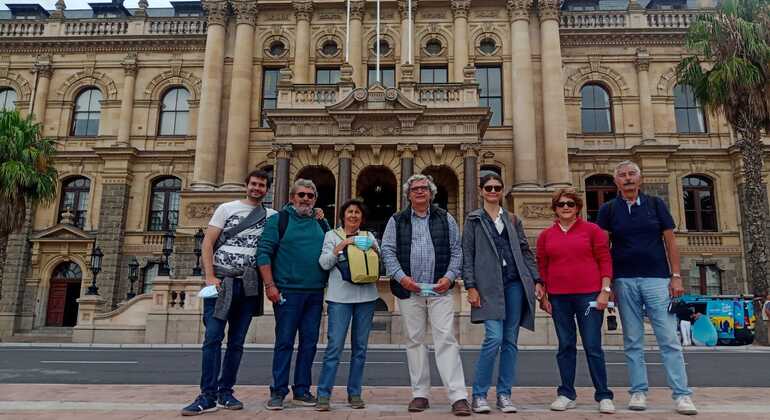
{"x": 305, "y": 210}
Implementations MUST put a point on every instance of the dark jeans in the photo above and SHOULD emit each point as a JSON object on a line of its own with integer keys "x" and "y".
{"x": 239, "y": 318}
{"x": 300, "y": 313}
{"x": 566, "y": 310}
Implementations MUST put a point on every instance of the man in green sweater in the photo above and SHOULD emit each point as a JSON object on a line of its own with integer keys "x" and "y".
{"x": 287, "y": 256}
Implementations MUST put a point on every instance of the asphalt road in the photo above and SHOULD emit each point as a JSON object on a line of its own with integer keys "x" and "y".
{"x": 385, "y": 367}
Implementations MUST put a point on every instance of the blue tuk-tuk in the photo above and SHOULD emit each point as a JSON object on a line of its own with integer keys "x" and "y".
{"x": 732, "y": 316}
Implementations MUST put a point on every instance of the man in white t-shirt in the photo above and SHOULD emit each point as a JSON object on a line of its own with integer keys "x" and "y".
{"x": 235, "y": 255}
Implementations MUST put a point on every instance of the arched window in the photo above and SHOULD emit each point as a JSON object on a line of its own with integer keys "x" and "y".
{"x": 599, "y": 189}
{"x": 164, "y": 207}
{"x": 595, "y": 109}
{"x": 74, "y": 197}
{"x": 174, "y": 112}
{"x": 688, "y": 111}
{"x": 700, "y": 211}
{"x": 7, "y": 99}
{"x": 85, "y": 122}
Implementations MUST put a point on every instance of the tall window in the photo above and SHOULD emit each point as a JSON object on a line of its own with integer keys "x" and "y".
{"x": 491, "y": 95}
{"x": 387, "y": 76}
{"x": 599, "y": 190}
{"x": 327, "y": 76}
{"x": 87, "y": 112}
{"x": 7, "y": 99}
{"x": 174, "y": 112}
{"x": 595, "y": 112}
{"x": 688, "y": 111}
{"x": 699, "y": 208}
{"x": 269, "y": 91}
{"x": 710, "y": 281}
{"x": 433, "y": 74}
{"x": 74, "y": 198}
{"x": 164, "y": 208}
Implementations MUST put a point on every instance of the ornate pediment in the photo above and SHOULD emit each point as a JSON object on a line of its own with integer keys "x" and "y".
{"x": 62, "y": 232}
{"x": 395, "y": 112}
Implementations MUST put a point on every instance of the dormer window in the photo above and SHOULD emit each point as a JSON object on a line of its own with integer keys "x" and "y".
{"x": 187, "y": 8}
{"x": 581, "y": 5}
{"x": 27, "y": 11}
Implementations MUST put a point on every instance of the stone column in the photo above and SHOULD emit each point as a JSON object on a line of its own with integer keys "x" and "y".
{"x": 206, "y": 143}
{"x": 646, "y": 113}
{"x": 303, "y": 11}
{"x": 239, "y": 120}
{"x": 470, "y": 177}
{"x": 357, "y": 10}
{"x": 44, "y": 72}
{"x": 407, "y": 167}
{"x": 556, "y": 160}
{"x": 522, "y": 85}
{"x": 344, "y": 185}
{"x": 282, "y": 181}
{"x": 460, "y": 13}
{"x": 127, "y": 102}
{"x": 403, "y": 8}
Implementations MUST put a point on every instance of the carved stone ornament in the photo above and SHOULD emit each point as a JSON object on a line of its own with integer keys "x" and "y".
{"x": 518, "y": 9}
{"x": 303, "y": 10}
{"x": 357, "y": 9}
{"x": 282, "y": 151}
{"x": 43, "y": 69}
{"x": 129, "y": 64}
{"x": 245, "y": 11}
{"x": 642, "y": 60}
{"x": 216, "y": 11}
{"x": 403, "y": 9}
{"x": 197, "y": 211}
{"x": 470, "y": 150}
{"x": 549, "y": 9}
{"x": 536, "y": 211}
{"x": 460, "y": 8}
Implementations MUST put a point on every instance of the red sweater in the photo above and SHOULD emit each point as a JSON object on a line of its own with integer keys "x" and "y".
{"x": 575, "y": 261}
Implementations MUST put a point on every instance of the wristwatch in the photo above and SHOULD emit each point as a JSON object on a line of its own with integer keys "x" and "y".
{"x": 607, "y": 289}
{"x": 677, "y": 275}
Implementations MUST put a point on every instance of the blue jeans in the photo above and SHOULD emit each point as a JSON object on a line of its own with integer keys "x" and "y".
{"x": 500, "y": 337}
{"x": 239, "y": 318}
{"x": 566, "y": 309}
{"x": 300, "y": 313}
{"x": 339, "y": 318}
{"x": 635, "y": 295}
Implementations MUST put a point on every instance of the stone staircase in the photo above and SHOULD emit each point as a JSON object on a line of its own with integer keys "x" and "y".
{"x": 42, "y": 335}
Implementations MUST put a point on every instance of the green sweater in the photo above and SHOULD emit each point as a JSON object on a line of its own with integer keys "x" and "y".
{"x": 294, "y": 259}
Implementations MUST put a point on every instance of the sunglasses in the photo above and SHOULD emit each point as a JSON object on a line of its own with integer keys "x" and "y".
{"x": 303, "y": 194}
{"x": 495, "y": 188}
{"x": 569, "y": 204}
{"x": 422, "y": 188}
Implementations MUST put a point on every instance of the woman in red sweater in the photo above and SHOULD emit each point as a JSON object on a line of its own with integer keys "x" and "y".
{"x": 573, "y": 257}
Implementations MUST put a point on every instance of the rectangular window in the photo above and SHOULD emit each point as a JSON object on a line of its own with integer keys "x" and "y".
{"x": 710, "y": 279}
{"x": 269, "y": 91}
{"x": 433, "y": 74}
{"x": 387, "y": 76}
{"x": 329, "y": 76}
{"x": 491, "y": 94}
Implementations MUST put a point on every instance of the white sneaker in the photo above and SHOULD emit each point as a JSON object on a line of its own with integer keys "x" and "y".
{"x": 606, "y": 406}
{"x": 638, "y": 401}
{"x": 684, "y": 405}
{"x": 505, "y": 404}
{"x": 563, "y": 403}
{"x": 480, "y": 405}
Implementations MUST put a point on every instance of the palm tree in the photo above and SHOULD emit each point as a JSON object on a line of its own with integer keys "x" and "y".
{"x": 27, "y": 176}
{"x": 729, "y": 72}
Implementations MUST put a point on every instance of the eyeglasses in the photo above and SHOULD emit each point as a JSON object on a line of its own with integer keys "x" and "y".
{"x": 419, "y": 188}
{"x": 495, "y": 188}
{"x": 569, "y": 204}
{"x": 303, "y": 194}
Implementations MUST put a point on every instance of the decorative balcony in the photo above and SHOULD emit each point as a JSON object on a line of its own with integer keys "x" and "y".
{"x": 629, "y": 19}
{"x": 592, "y": 20}
{"x": 137, "y": 26}
{"x": 709, "y": 242}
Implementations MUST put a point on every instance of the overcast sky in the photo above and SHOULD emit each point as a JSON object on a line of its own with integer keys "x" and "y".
{"x": 81, "y": 4}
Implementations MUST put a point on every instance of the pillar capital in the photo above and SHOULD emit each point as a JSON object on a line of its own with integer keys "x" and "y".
{"x": 403, "y": 9}
{"x": 460, "y": 8}
{"x": 518, "y": 9}
{"x": 470, "y": 150}
{"x": 282, "y": 151}
{"x": 357, "y": 10}
{"x": 406, "y": 151}
{"x": 43, "y": 69}
{"x": 129, "y": 65}
{"x": 245, "y": 11}
{"x": 549, "y": 10}
{"x": 216, "y": 10}
{"x": 303, "y": 10}
{"x": 344, "y": 151}
{"x": 642, "y": 60}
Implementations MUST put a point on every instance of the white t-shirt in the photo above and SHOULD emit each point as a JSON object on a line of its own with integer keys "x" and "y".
{"x": 241, "y": 250}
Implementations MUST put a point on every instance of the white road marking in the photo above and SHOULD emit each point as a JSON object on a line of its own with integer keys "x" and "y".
{"x": 91, "y": 362}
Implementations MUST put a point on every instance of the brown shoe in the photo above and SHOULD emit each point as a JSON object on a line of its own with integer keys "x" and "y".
{"x": 419, "y": 404}
{"x": 461, "y": 408}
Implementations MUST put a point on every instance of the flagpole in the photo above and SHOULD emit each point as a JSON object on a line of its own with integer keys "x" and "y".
{"x": 347, "y": 34}
{"x": 378, "y": 41}
{"x": 409, "y": 58}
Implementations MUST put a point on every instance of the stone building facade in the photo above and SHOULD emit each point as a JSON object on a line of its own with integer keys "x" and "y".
{"x": 159, "y": 114}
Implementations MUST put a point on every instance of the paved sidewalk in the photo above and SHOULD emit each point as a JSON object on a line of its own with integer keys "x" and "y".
{"x": 149, "y": 402}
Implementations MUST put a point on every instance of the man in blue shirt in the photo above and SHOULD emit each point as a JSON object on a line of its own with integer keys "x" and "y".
{"x": 645, "y": 263}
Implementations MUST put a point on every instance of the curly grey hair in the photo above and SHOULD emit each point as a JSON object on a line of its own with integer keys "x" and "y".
{"x": 419, "y": 177}
{"x": 303, "y": 183}
{"x": 627, "y": 163}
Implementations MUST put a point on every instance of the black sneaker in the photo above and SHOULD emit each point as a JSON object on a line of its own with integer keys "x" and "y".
{"x": 307, "y": 400}
{"x": 201, "y": 405}
{"x": 228, "y": 401}
{"x": 275, "y": 402}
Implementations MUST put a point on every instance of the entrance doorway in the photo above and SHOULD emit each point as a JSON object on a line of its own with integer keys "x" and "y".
{"x": 63, "y": 294}
{"x": 447, "y": 185}
{"x": 378, "y": 188}
{"x": 327, "y": 189}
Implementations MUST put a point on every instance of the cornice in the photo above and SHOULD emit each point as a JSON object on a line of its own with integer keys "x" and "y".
{"x": 622, "y": 38}
{"x": 104, "y": 45}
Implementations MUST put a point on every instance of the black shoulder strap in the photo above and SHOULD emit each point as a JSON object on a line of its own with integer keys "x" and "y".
{"x": 283, "y": 223}
{"x": 256, "y": 216}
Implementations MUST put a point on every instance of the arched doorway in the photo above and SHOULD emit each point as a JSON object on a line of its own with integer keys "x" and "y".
{"x": 327, "y": 189}
{"x": 377, "y": 186}
{"x": 448, "y": 188}
{"x": 63, "y": 294}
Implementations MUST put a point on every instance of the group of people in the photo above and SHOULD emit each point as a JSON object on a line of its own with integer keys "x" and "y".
{"x": 293, "y": 257}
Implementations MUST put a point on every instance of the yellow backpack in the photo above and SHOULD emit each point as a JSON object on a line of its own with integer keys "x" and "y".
{"x": 358, "y": 266}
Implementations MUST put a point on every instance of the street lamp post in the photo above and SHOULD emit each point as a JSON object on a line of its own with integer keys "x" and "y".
{"x": 168, "y": 248}
{"x": 197, "y": 250}
{"x": 133, "y": 275}
{"x": 96, "y": 267}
